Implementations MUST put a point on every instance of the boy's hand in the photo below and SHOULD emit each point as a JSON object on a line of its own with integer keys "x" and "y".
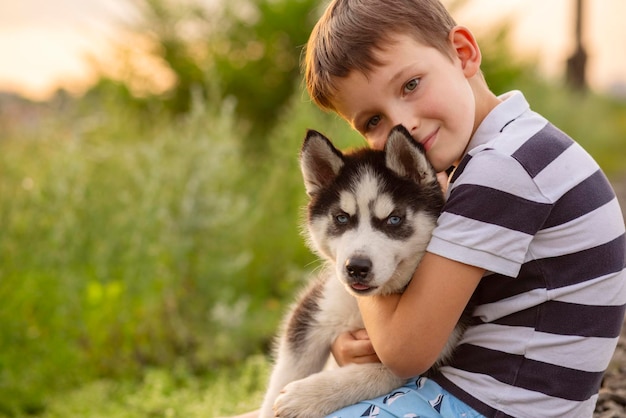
{"x": 354, "y": 347}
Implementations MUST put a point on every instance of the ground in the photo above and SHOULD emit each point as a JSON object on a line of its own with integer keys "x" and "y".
{"x": 612, "y": 399}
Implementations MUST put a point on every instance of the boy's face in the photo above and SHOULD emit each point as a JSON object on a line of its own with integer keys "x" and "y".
{"x": 419, "y": 87}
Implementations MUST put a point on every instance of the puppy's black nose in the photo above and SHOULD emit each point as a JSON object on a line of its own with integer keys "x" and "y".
{"x": 358, "y": 268}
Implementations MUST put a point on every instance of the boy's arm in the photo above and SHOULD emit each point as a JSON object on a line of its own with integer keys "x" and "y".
{"x": 409, "y": 330}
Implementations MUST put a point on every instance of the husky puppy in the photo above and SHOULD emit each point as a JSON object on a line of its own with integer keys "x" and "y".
{"x": 370, "y": 216}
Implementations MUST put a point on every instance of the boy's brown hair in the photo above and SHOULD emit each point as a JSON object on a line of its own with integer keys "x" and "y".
{"x": 348, "y": 33}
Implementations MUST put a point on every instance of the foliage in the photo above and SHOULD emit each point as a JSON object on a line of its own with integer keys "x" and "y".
{"x": 102, "y": 247}
{"x": 127, "y": 245}
{"x": 502, "y": 70}
{"x": 256, "y": 55}
{"x": 246, "y": 50}
{"x": 174, "y": 392}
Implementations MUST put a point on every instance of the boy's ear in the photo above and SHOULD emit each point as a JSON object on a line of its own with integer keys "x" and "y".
{"x": 466, "y": 50}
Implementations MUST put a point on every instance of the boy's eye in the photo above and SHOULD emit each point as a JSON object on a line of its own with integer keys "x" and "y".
{"x": 372, "y": 122}
{"x": 411, "y": 85}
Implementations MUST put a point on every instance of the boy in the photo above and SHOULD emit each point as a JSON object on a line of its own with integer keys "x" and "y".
{"x": 531, "y": 232}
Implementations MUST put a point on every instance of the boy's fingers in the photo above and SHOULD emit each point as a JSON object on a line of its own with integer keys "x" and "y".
{"x": 354, "y": 347}
{"x": 366, "y": 359}
{"x": 364, "y": 352}
{"x": 360, "y": 334}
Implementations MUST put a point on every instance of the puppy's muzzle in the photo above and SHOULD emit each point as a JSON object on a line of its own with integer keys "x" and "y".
{"x": 358, "y": 273}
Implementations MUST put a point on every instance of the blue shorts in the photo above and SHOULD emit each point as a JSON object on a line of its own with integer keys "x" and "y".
{"x": 420, "y": 397}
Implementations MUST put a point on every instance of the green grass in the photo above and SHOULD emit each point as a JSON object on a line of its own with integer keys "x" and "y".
{"x": 144, "y": 265}
{"x": 167, "y": 393}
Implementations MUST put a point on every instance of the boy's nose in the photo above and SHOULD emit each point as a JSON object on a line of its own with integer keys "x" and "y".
{"x": 409, "y": 121}
{"x": 411, "y": 126}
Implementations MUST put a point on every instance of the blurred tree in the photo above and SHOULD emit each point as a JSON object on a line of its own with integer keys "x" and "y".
{"x": 157, "y": 67}
{"x": 503, "y": 69}
{"x": 256, "y": 53}
{"x": 576, "y": 64}
{"x": 176, "y": 29}
{"x": 246, "y": 50}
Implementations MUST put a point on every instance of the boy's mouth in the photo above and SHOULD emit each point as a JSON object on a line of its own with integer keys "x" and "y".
{"x": 428, "y": 141}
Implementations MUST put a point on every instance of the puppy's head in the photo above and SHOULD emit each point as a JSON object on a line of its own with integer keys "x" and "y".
{"x": 370, "y": 212}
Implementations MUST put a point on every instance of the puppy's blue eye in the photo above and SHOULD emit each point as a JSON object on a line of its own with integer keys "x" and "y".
{"x": 342, "y": 218}
{"x": 394, "y": 220}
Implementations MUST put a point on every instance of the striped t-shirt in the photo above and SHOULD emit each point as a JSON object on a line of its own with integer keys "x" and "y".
{"x": 530, "y": 206}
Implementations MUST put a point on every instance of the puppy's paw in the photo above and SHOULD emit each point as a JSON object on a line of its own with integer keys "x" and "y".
{"x": 301, "y": 399}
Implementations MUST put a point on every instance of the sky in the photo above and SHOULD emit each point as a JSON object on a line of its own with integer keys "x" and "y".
{"x": 46, "y": 44}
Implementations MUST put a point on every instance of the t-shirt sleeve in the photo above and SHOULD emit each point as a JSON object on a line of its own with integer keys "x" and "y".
{"x": 493, "y": 211}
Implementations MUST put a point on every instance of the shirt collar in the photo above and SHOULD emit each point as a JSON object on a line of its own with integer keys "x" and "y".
{"x": 513, "y": 104}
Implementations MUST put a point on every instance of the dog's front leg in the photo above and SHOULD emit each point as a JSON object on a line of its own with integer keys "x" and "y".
{"x": 290, "y": 367}
{"x": 304, "y": 346}
{"x": 323, "y": 393}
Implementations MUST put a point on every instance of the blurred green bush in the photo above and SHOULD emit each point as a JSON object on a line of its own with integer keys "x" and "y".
{"x": 126, "y": 246}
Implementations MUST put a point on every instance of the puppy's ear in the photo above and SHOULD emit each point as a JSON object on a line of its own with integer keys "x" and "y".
{"x": 320, "y": 161}
{"x": 407, "y": 158}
